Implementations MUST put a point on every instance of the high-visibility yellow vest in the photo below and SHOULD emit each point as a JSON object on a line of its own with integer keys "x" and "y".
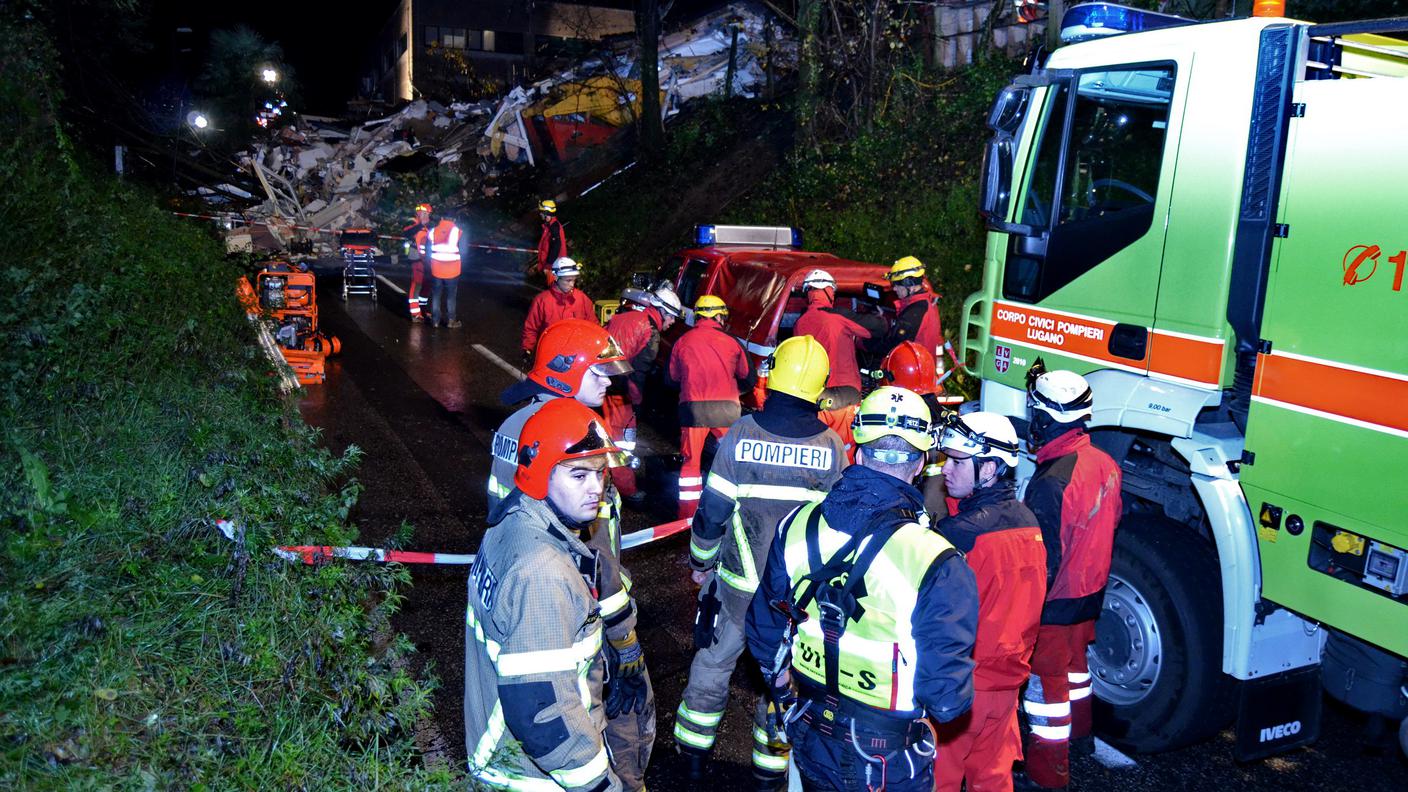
{"x": 876, "y": 658}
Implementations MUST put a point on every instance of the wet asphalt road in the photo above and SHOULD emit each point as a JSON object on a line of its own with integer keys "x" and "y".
{"x": 422, "y": 404}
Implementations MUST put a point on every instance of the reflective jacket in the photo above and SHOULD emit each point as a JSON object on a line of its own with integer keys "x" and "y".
{"x": 552, "y": 244}
{"x": 707, "y": 363}
{"x": 533, "y": 680}
{"x": 1075, "y": 495}
{"x": 907, "y": 650}
{"x": 637, "y": 331}
{"x": 618, "y": 610}
{"x": 1002, "y": 543}
{"x": 838, "y": 335}
{"x": 767, "y": 465}
{"x": 445, "y": 246}
{"x": 552, "y": 305}
{"x": 917, "y": 320}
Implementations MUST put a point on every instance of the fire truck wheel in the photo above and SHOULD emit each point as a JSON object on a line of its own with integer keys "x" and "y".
{"x": 1156, "y": 663}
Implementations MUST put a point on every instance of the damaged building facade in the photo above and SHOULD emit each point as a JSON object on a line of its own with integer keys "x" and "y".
{"x": 427, "y": 46}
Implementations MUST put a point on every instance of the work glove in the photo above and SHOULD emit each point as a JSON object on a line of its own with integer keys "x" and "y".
{"x": 626, "y": 694}
{"x": 781, "y": 698}
{"x": 526, "y": 360}
{"x": 628, "y": 659}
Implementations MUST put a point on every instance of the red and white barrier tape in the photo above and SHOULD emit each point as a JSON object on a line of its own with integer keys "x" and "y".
{"x": 315, "y": 554}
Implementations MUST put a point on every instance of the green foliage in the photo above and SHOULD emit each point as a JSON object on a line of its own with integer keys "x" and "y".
{"x": 231, "y": 84}
{"x": 139, "y": 648}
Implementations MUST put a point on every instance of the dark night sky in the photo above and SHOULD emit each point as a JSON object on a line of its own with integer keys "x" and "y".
{"x": 324, "y": 41}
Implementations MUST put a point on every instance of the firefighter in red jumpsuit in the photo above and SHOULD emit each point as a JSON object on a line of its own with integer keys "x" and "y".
{"x": 552, "y": 244}
{"x": 839, "y": 335}
{"x": 707, "y": 363}
{"x": 1000, "y": 538}
{"x": 1075, "y": 495}
{"x": 916, "y": 312}
{"x": 414, "y": 301}
{"x": 637, "y": 326}
{"x": 560, "y": 301}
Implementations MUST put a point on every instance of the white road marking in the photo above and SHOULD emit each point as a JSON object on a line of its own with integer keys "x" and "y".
{"x": 498, "y": 361}
{"x": 391, "y": 285}
{"x": 1111, "y": 757}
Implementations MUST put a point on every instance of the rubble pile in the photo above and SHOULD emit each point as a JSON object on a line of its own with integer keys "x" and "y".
{"x": 325, "y": 175}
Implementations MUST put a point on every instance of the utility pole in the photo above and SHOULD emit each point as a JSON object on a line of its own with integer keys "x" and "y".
{"x": 652, "y": 130}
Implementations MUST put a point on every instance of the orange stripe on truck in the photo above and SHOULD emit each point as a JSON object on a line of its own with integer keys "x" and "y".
{"x": 1376, "y": 398}
{"x": 1185, "y": 357}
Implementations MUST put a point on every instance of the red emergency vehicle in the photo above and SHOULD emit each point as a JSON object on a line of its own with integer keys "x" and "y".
{"x": 758, "y": 271}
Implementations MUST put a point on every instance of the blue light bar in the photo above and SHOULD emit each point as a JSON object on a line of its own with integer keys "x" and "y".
{"x": 773, "y": 237}
{"x": 704, "y": 235}
{"x": 1098, "y": 20}
{"x": 797, "y": 238}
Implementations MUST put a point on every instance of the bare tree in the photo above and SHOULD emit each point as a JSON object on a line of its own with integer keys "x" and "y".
{"x": 652, "y": 128}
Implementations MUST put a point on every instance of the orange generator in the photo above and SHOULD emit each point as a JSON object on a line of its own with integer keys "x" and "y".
{"x": 287, "y": 294}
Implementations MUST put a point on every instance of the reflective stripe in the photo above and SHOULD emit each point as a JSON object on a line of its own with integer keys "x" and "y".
{"x": 690, "y": 495}
{"x": 581, "y": 776}
{"x": 779, "y": 492}
{"x": 498, "y": 778}
{"x": 691, "y": 481}
{"x": 491, "y": 647}
{"x": 446, "y": 251}
{"x": 496, "y": 489}
{"x": 626, "y": 445}
{"x": 759, "y": 736}
{"x": 769, "y": 762}
{"x": 625, "y": 580}
{"x": 692, "y": 738}
{"x": 1059, "y": 709}
{"x": 1076, "y": 678}
{"x": 747, "y": 581}
{"x": 1078, "y": 693}
{"x": 701, "y": 553}
{"x": 615, "y": 603}
{"x": 723, "y": 486}
{"x": 707, "y": 719}
{"x": 549, "y": 661}
{"x": 1052, "y": 732}
{"x": 489, "y": 740}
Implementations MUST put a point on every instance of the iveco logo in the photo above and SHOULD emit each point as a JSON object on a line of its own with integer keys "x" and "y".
{"x": 1279, "y": 732}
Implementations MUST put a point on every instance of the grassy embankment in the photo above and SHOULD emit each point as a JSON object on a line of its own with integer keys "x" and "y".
{"x": 138, "y": 647}
{"x": 906, "y": 187}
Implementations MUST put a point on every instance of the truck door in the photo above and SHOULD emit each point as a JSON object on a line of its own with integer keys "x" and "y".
{"x": 1084, "y": 248}
{"x": 1328, "y": 421}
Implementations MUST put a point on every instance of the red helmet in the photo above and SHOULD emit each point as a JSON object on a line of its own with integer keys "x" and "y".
{"x": 568, "y": 348}
{"x": 562, "y": 429}
{"x": 911, "y": 366}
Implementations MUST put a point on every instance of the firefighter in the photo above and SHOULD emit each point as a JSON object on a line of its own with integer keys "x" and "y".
{"x": 533, "y": 706}
{"x": 415, "y": 300}
{"x": 768, "y": 463}
{"x": 560, "y": 301}
{"x": 1002, "y": 543}
{"x": 552, "y": 243}
{"x": 446, "y": 245}
{"x": 1075, "y": 495}
{"x": 575, "y": 360}
{"x": 637, "y": 326}
{"x": 867, "y": 675}
{"x": 916, "y": 312}
{"x": 911, "y": 367}
{"x": 839, "y": 335}
{"x": 707, "y": 363}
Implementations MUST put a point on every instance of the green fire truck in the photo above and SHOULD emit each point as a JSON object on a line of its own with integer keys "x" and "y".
{"x": 1210, "y": 221}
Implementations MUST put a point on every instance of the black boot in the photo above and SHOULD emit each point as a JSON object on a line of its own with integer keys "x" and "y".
{"x": 1022, "y": 783}
{"x": 696, "y": 764}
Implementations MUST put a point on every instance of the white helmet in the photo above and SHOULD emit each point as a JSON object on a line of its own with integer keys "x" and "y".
{"x": 983, "y": 435}
{"x": 668, "y": 302}
{"x": 566, "y": 268}
{"x": 1063, "y": 395}
{"x": 818, "y": 279}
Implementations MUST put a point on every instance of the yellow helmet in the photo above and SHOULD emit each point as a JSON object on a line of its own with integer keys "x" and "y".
{"x": 547, "y": 206}
{"x": 710, "y": 307}
{"x": 904, "y": 269}
{"x": 894, "y": 411}
{"x": 799, "y": 367}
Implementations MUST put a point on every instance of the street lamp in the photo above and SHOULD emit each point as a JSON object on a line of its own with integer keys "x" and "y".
{"x": 197, "y": 120}
{"x": 269, "y": 75}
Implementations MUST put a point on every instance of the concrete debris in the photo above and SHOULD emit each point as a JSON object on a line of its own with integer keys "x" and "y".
{"x": 324, "y": 174}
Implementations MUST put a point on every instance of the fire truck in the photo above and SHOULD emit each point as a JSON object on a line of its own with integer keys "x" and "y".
{"x": 1208, "y": 221}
